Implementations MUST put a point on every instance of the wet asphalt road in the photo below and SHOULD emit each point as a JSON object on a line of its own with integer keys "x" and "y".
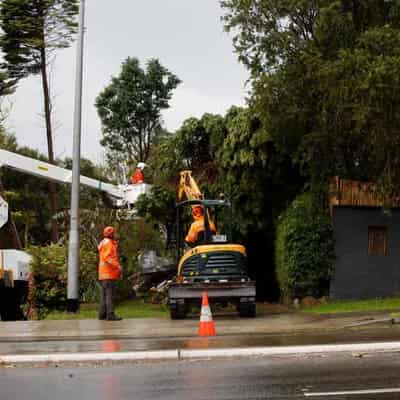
{"x": 374, "y": 377}
{"x": 27, "y": 346}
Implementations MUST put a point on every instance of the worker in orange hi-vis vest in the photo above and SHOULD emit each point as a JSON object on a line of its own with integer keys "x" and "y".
{"x": 138, "y": 176}
{"x": 110, "y": 271}
{"x": 197, "y": 226}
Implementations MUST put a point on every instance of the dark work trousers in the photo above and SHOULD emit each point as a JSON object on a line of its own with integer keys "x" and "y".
{"x": 106, "y": 298}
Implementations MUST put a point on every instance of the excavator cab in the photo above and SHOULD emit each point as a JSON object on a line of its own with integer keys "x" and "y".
{"x": 217, "y": 215}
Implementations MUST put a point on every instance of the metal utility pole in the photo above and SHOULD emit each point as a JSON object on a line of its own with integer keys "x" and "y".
{"x": 73, "y": 249}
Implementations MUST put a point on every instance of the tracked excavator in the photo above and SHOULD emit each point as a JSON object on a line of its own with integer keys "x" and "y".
{"x": 213, "y": 263}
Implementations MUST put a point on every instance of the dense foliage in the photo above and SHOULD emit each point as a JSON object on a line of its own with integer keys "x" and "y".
{"x": 130, "y": 109}
{"x": 325, "y": 82}
{"x": 49, "y": 278}
{"x": 304, "y": 248}
{"x": 158, "y": 210}
{"x": 32, "y": 29}
{"x": 325, "y": 87}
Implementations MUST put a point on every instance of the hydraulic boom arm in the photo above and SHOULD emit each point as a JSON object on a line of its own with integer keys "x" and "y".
{"x": 188, "y": 187}
{"x": 125, "y": 195}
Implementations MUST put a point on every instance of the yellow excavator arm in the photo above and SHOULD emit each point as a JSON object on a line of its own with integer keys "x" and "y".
{"x": 188, "y": 187}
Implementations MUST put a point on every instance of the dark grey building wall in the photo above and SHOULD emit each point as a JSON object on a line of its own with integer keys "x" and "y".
{"x": 358, "y": 275}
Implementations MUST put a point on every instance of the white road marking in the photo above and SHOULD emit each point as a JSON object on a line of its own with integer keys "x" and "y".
{"x": 353, "y": 392}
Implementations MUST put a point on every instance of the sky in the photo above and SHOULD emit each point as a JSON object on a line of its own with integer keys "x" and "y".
{"x": 187, "y": 37}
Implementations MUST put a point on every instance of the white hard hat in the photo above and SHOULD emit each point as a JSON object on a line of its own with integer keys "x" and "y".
{"x": 141, "y": 165}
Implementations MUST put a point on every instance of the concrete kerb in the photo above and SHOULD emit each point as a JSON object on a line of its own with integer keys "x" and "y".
{"x": 89, "y": 357}
{"x": 178, "y": 354}
{"x": 290, "y": 350}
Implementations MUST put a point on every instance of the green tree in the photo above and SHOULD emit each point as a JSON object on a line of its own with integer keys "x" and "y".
{"x": 32, "y": 31}
{"x": 325, "y": 82}
{"x": 194, "y": 146}
{"x": 261, "y": 181}
{"x": 357, "y": 131}
{"x": 130, "y": 109}
{"x": 270, "y": 33}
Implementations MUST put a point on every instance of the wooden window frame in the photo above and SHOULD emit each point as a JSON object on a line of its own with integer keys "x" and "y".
{"x": 377, "y": 249}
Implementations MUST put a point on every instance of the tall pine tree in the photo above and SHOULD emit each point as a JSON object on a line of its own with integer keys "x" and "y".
{"x": 32, "y": 31}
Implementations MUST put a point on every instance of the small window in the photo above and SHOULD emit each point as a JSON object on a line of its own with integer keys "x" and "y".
{"x": 377, "y": 237}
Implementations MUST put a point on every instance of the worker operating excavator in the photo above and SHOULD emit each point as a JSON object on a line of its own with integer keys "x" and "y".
{"x": 198, "y": 228}
{"x": 197, "y": 233}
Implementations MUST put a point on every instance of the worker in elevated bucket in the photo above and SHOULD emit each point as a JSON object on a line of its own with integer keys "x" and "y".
{"x": 110, "y": 271}
{"x": 197, "y": 228}
{"x": 138, "y": 176}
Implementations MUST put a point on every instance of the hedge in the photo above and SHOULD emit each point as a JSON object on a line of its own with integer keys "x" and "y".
{"x": 48, "y": 282}
{"x": 304, "y": 248}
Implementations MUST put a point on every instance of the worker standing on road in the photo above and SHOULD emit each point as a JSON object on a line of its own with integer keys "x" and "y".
{"x": 138, "y": 176}
{"x": 110, "y": 271}
{"x": 198, "y": 226}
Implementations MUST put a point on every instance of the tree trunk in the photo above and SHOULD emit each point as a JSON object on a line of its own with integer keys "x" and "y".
{"x": 49, "y": 133}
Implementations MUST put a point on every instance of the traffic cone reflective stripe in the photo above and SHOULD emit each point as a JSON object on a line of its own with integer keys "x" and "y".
{"x": 206, "y": 315}
{"x": 206, "y": 326}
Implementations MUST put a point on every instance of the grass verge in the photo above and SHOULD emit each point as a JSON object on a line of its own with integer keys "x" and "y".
{"x": 126, "y": 309}
{"x": 344, "y": 306}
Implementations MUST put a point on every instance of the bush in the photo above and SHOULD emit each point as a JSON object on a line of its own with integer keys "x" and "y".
{"x": 48, "y": 284}
{"x": 304, "y": 249}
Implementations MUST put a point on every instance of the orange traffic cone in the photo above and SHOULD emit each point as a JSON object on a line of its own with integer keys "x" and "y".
{"x": 206, "y": 326}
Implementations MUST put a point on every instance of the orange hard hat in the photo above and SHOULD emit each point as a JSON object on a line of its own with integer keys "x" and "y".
{"x": 197, "y": 211}
{"x": 108, "y": 231}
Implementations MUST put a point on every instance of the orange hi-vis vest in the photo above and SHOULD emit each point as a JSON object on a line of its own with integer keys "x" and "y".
{"x": 137, "y": 177}
{"x": 109, "y": 267}
{"x": 197, "y": 227}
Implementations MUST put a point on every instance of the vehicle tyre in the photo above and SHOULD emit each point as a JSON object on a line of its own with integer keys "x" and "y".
{"x": 177, "y": 310}
{"x": 247, "y": 310}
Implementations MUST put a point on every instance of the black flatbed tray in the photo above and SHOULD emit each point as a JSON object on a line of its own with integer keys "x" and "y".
{"x": 213, "y": 289}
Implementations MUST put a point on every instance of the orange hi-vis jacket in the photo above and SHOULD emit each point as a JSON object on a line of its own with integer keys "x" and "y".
{"x": 197, "y": 227}
{"x": 137, "y": 177}
{"x": 109, "y": 266}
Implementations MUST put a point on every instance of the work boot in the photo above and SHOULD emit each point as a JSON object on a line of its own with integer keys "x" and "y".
{"x": 114, "y": 317}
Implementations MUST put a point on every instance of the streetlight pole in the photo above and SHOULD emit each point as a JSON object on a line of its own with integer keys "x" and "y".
{"x": 73, "y": 248}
